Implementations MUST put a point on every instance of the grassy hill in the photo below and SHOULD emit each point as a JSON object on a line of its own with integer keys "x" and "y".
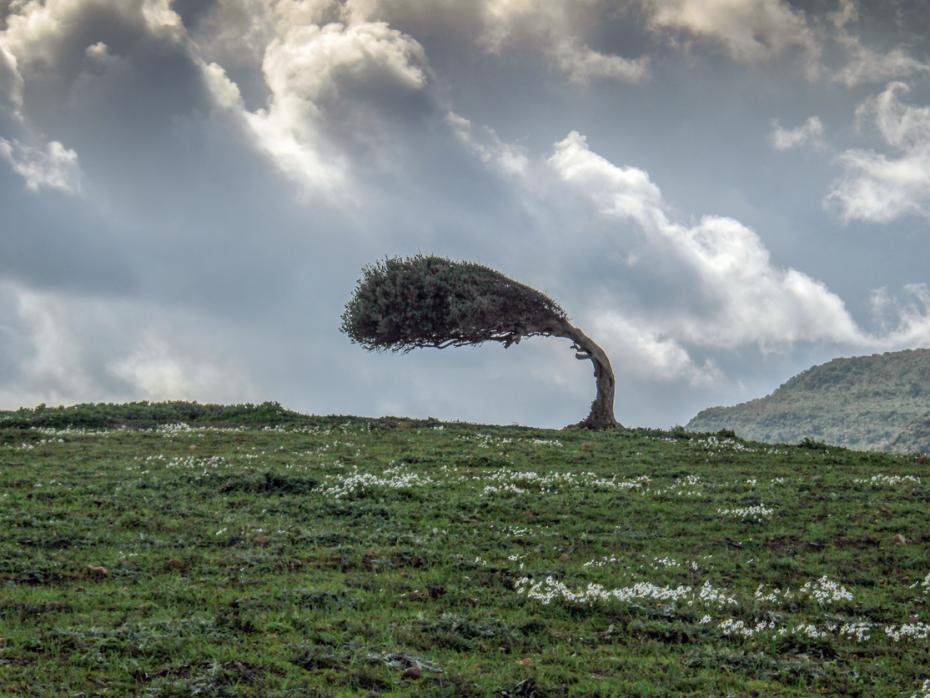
{"x": 251, "y": 551}
{"x": 879, "y": 402}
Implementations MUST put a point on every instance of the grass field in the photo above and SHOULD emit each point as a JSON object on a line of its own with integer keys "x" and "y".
{"x": 339, "y": 556}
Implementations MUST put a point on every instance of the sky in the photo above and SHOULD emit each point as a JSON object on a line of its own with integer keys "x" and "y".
{"x": 721, "y": 193}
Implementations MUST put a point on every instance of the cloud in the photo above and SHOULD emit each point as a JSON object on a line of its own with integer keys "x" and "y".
{"x": 582, "y": 64}
{"x": 56, "y": 361}
{"x": 904, "y": 317}
{"x": 639, "y": 348}
{"x": 98, "y": 52}
{"x": 154, "y": 372}
{"x": 82, "y": 348}
{"x": 490, "y": 149}
{"x": 11, "y": 83}
{"x": 808, "y": 133}
{"x": 745, "y": 298}
{"x": 51, "y": 167}
{"x": 558, "y": 29}
{"x": 865, "y": 64}
{"x": 625, "y": 192}
{"x": 881, "y": 187}
{"x": 749, "y": 31}
{"x": 323, "y": 79}
{"x": 40, "y": 32}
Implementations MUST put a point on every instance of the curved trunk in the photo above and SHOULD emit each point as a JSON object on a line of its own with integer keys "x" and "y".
{"x": 602, "y": 409}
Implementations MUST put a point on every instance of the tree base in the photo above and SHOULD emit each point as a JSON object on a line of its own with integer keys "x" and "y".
{"x": 590, "y": 424}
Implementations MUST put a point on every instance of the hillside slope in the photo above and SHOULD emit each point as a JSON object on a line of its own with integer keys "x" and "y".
{"x": 177, "y": 549}
{"x": 878, "y": 402}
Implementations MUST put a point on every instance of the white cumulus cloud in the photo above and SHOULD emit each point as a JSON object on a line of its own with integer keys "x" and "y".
{"x": 37, "y": 32}
{"x": 882, "y": 186}
{"x": 746, "y": 299}
{"x": 50, "y": 167}
{"x": 749, "y": 31}
{"x": 11, "y": 82}
{"x": 808, "y": 133}
{"x": 648, "y": 352}
{"x": 310, "y": 68}
{"x": 559, "y": 29}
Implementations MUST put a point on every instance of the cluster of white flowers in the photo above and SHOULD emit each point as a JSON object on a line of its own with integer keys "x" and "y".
{"x": 485, "y": 440}
{"x": 551, "y": 482}
{"x": 908, "y": 631}
{"x": 924, "y": 691}
{"x": 807, "y": 630}
{"x": 775, "y": 596}
{"x": 396, "y": 478}
{"x": 857, "y": 631}
{"x": 757, "y": 512}
{"x": 687, "y": 486}
{"x": 507, "y": 488}
{"x": 655, "y": 563}
{"x": 517, "y": 531}
{"x": 826, "y": 591}
{"x": 551, "y": 589}
{"x": 636, "y": 483}
{"x": 173, "y": 429}
{"x": 76, "y": 431}
{"x": 714, "y": 443}
{"x": 741, "y": 629}
{"x": 888, "y": 480}
{"x": 709, "y": 596}
{"x": 203, "y": 463}
{"x": 860, "y": 632}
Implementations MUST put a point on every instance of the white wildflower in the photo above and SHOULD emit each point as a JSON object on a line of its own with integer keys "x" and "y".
{"x": 888, "y": 480}
{"x": 908, "y": 631}
{"x": 826, "y": 591}
{"x": 757, "y": 512}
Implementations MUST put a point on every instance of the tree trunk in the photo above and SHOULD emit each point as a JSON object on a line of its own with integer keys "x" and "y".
{"x": 602, "y": 409}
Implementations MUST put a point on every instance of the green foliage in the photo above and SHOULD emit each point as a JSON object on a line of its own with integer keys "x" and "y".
{"x": 148, "y": 414}
{"x": 812, "y": 444}
{"x": 219, "y": 561}
{"x": 405, "y": 303}
{"x": 879, "y": 402}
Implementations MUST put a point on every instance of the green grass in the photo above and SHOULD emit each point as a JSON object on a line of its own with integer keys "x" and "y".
{"x": 339, "y": 556}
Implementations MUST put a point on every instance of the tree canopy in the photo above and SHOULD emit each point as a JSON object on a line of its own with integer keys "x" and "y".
{"x": 408, "y": 303}
{"x": 401, "y": 304}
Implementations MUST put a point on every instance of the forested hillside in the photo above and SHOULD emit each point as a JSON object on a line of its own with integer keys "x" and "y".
{"x": 879, "y": 402}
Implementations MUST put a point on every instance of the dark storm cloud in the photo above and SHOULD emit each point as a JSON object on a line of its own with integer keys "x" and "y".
{"x": 190, "y": 191}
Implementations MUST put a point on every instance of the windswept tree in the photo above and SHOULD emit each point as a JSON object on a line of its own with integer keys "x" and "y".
{"x": 408, "y": 303}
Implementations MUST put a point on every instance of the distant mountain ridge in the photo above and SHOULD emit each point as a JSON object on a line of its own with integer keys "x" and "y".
{"x": 879, "y": 402}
